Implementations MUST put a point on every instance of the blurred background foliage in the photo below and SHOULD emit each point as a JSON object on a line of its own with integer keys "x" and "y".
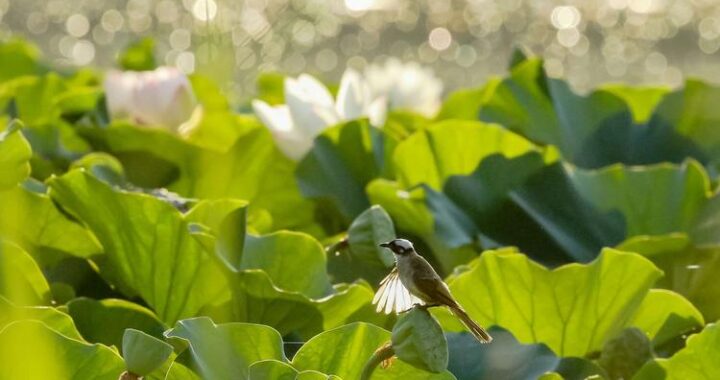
{"x": 587, "y": 42}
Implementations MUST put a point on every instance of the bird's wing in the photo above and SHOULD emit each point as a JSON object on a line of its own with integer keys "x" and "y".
{"x": 434, "y": 290}
{"x": 392, "y": 295}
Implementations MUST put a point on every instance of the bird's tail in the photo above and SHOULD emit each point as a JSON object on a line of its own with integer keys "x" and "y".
{"x": 478, "y": 332}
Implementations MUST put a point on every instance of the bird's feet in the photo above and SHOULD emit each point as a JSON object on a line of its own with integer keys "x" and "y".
{"x": 423, "y": 306}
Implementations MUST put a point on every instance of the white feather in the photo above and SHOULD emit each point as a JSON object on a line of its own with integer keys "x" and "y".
{"x": 392, "y": 292}
{"x": 393, "y": 296}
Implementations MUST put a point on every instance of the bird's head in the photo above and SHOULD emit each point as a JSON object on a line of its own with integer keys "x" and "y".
{"x": 399, "y": 246}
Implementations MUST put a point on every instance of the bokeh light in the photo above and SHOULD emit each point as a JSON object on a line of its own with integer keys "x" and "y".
{"x": 466, "y": 42}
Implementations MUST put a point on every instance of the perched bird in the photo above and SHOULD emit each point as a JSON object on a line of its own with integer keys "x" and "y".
{"x": 413, "y": 282}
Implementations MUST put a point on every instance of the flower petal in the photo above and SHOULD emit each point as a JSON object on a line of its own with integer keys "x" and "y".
{"x": 353, "y": 97}
{"x": 287, "y": 138}
{"x": 308, "y": 105}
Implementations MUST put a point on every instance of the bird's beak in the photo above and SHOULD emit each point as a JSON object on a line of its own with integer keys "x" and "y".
{"x": 385, "y": 245}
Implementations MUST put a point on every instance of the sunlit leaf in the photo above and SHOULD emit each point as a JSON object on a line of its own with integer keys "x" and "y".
{"x": 21, "y": 280}
{"x": 573, "y": 309}
{"x": 143, "y": 353}
{"x": 30, "y": 350}
{"x": 51, "y": 317}
{"x": 116, "y": 316}
{"x": 344, "y": 351}
{"x": 16, "y": 152}
{"x": 149, "y": 250}
{"x": 226, "y": 351}
{"x": 698, "y": 360}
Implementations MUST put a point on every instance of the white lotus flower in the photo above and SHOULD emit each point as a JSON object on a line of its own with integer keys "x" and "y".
{"x": 406, "y": 86}
{"x": 162, "y": 97}
{"x": 310, "y": 109}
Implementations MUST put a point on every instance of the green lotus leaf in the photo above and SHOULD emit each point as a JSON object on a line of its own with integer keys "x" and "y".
{"x": 573, "y": 309}
{"x": 32, "y": 220}
{"x": 256, "y": 299}
{"x": 465, "y": 104}
{"x": 143, "y": 353}
{"x": 272, "y": 369}
{"x": 149, "y": 250}
{"x": 698, "y": 360}
{"x": 523, "y": 202}
{"x": 14, "y": 160}
{"x": 345, "y": 350}
{"x": 276, "y": 253}
{"x": 343, "y": 160}
{"x": 19, "y": 58}
{"x": 454, "y": 147}
{"x": 689, "y": 270}
{"x": 591, "y": 131}
{"x": 247, "y": 166}
{"x": 51, "y": 317}
{"x": 21, "y": 280}
{"x": 653, "y": 200}
{"x": 178, "y": 371}
{"x": 623, "y": 355}
{"x": 139, "y": 55}
{"x": 33, "y": 351}
{"x": 226, "y": 351}
{"x": 116, "y": 316}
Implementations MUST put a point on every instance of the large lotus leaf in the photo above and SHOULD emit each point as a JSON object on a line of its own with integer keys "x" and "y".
{"x": 693, "y": 114}
{"x": 698, "y": 360}
{"x": 21, "y": 280}
{"x": 591, "y": 131}
{"x": 453, "y": 147}
{"x": 406, "y": 207}
{"x": 343, "y": 160}
{"x": 32, "y": 220}
{"x": 573, "y": 309}
{"x": 508, "y": 359}
{"x": 226, "y": 351}
{"x": 345, "y": 350}
{"x": 51, "y": 317}
{"x": 281, "y": 253}
{"x": 546, "y": 110}
{"x": 359, "y": 255}
{"x": 250, "y": 168}
{"x": 14, "y": 158}
{"x": 523, "y": 202}
{"x": 38, "y": 102}
{"x": 31, "y": 350}
{"x": 149, "y": 250}
{"x": 654, "y": 200}
{"x": 689, "y": 270}
{"x": 255, "y": 299}
{"x": 116, "y": 316}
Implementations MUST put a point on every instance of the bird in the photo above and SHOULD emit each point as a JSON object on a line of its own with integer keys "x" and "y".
{"x": 413, "y": 282}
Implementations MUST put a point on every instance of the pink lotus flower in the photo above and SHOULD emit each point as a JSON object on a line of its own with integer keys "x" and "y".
{"x": 162, "y": 97}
